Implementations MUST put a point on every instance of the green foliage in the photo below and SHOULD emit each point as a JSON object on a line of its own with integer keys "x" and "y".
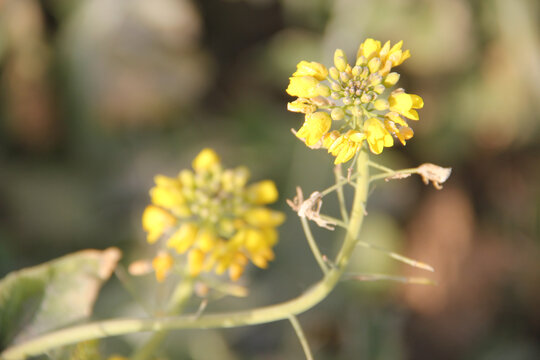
{"x": 48, "y": 296}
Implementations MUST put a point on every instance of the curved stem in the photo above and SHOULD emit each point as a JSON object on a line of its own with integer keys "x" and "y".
{"x": 261, "y": 315}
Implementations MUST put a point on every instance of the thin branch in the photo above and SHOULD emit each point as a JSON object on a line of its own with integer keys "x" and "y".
{"x": 397, "y": 256}
{"x": 379, "y": 277}
{"x": 339, "y": 191}
{"x": 313, "y": 245}
{"x": 298, "y": 329}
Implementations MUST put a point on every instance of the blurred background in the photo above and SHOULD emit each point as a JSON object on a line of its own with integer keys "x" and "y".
{"x": 96, "y": 97}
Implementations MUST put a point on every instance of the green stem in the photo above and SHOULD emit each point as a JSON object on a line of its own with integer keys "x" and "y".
{"x": 301, "y": 337}
{"x": 266, "y": 314}
{"x": 313, "y": 246}
{"x": 341, "y": 198}
{"x": 181, "y": 295}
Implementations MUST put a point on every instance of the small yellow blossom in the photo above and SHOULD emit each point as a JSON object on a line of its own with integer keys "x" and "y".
{"x": 303, "y": 86}
{"x": 155, "y": 221}
{"x": 377, "y": 136}
{"x": 343, "y": 147}
{"x": 210, "y": 216}
{"x": 206, "y": 159}
{"x": 405, "y": 104}
{"x": 162, "y": 264}
{"x": 263, "y": 192}
{"x": 316, "y": 125}
{"x": 315, "y": 69}
{"x": 301, "y": 105}
{"x": 356, "y": 95}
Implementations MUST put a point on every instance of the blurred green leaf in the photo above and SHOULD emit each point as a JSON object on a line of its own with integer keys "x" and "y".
{"x": 45, "y": 297}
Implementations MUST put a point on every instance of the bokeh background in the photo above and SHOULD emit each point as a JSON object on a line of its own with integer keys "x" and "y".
{"x": 96, "y": 97}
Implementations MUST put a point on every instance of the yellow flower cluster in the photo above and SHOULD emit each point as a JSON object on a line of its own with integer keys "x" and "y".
{"x": 355, "y": 97}
{"x": 213, "y": 217}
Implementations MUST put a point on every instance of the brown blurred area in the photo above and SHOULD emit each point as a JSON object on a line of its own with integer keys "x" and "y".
{"x": 96, "y": 97}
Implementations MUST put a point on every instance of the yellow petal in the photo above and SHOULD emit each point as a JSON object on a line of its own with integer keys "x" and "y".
{"x": 206, "y": 240}
{"x": 369, "y": 48}
{"x": 162, "y": 263}
{"x": 195, "y": 262}
{"x": 263, "y": 217}
{"x": 263, "y": 192}
{"x": 303, "y": 86}
{"x": 183, "y": 238}
{"x": 155, "y": 221}
{"x": 315, "y": 69}
{"x": 206, "y": 160}
{"x": 417, "y": 101}
{"x": 315, "y": 126}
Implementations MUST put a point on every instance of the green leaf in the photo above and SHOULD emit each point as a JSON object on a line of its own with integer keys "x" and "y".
{"x": 48, "y": 296}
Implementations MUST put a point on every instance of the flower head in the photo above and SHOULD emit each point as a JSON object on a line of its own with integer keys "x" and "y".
{"x": 355, "y": 96}
{"x": 211, "y": 219}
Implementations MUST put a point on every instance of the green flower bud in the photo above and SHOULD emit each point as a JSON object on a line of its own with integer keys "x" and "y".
{"x": 347, "y": 101}
{"x": 337, "y": 114}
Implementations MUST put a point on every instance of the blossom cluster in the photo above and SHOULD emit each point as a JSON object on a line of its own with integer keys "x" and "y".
{"x": 355, "y": 97}
{"x": 211, "y": 215}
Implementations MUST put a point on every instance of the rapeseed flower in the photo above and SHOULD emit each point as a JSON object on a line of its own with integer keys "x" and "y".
{"x": 355, "y": 97}
{"x": 212, "y": 219}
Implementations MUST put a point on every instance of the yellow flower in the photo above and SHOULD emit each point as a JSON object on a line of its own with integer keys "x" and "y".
{"x": 403, "y": 133}
{"x": 211, "y": 215}
{"x": 405, "y": 104}
{"x": 306, "y": 87}
{"x": 315, "y": 69}
{"x": 377, "y": 136}
{"x": 369, "y": 49}
{"x": 344, "y": 146}
{"x": 162, "y": 264}
{"x": 315, "y": 126}
{"x": 155, "y": 221}
{"x": 301, "y": 105}
{"x": 168, "y": 194}
{"x": 358, "y": 99}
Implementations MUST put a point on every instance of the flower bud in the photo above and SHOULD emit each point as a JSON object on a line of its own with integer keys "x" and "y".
{"x": 337, "y": 114}
{"x": 391, "y": 79}
{"x": 374, "y": 64}
{"x": 334, "y": 73}
{"x": 379, "y": 89}
{"x": 340, "y": 60}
